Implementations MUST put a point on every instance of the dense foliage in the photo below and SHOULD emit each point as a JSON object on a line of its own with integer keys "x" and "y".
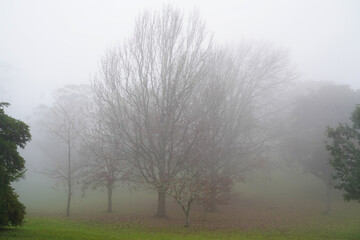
{"x": 13, "y": 134}
{"x": 345, "y": 149}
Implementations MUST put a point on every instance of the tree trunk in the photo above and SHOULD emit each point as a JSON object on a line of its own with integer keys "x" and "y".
{"x": 205, "y": 212}
{"x": 212, "y": 203}
{"x": 187, "y": 219}
{"x": 109, "y": 190}
{"x": 161, "y": 208}
{"x": 212, "y": 200}
{"x": 328, "y": 198}
{"x": 68, "y": 205}
{"x": 69, "y": 181}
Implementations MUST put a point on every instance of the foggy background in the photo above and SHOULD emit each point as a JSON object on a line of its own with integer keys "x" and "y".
{"x": 45, "y": 45}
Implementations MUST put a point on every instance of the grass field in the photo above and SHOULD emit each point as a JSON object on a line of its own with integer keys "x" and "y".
{"x": 41, "y": 228}
{"x": 283, "y": 208}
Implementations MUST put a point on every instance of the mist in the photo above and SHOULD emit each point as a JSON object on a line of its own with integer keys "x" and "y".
{"x": 157, "y": 113}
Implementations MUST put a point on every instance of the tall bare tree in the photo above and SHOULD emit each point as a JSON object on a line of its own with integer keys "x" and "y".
{"x": 232, "y": 105}
{"x": 146, "y": 92}
{"x": 64, "y": 121}
{"x": 240, "y": 87}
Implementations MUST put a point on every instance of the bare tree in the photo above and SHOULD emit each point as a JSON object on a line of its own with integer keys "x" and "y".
{"x": 231, "y": 105}
{"x": 146, "y": 91}
{"x": 187, "y": 188}
{"x": 105, "y": 160}
{"x": 236, "y": 101}
{"x": 63, "y": 121}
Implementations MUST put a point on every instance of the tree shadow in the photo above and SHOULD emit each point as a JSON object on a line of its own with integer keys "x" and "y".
{"x": 7, "y": 229}
{"x": 10, "y": 231}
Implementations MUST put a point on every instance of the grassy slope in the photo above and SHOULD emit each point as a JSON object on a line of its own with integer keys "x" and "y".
{"x": 322, "y": 227}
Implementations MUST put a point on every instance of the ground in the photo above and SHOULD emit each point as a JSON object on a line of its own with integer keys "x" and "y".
{"x": 285, "y": 206}
{"x": 244, "y": 218}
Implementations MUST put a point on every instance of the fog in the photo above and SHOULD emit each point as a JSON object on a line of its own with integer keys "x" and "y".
{"x": 49, "y": 43}
{"x": 56, "y": 54}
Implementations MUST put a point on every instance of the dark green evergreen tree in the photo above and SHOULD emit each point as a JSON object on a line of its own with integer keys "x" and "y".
{"x": 344, "y": 146}
{"x": 13, "y": 133}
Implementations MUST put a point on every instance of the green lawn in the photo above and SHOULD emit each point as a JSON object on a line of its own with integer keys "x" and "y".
{"x": 41, "y": 228}
{"x": 289, "y": 206}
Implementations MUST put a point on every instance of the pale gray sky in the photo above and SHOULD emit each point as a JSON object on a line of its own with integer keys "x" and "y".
{"x": 47, "y": 44}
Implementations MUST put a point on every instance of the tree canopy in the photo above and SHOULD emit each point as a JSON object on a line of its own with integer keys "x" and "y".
{"x": 13, "y": 133}
{"x": 344, "y": 146}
